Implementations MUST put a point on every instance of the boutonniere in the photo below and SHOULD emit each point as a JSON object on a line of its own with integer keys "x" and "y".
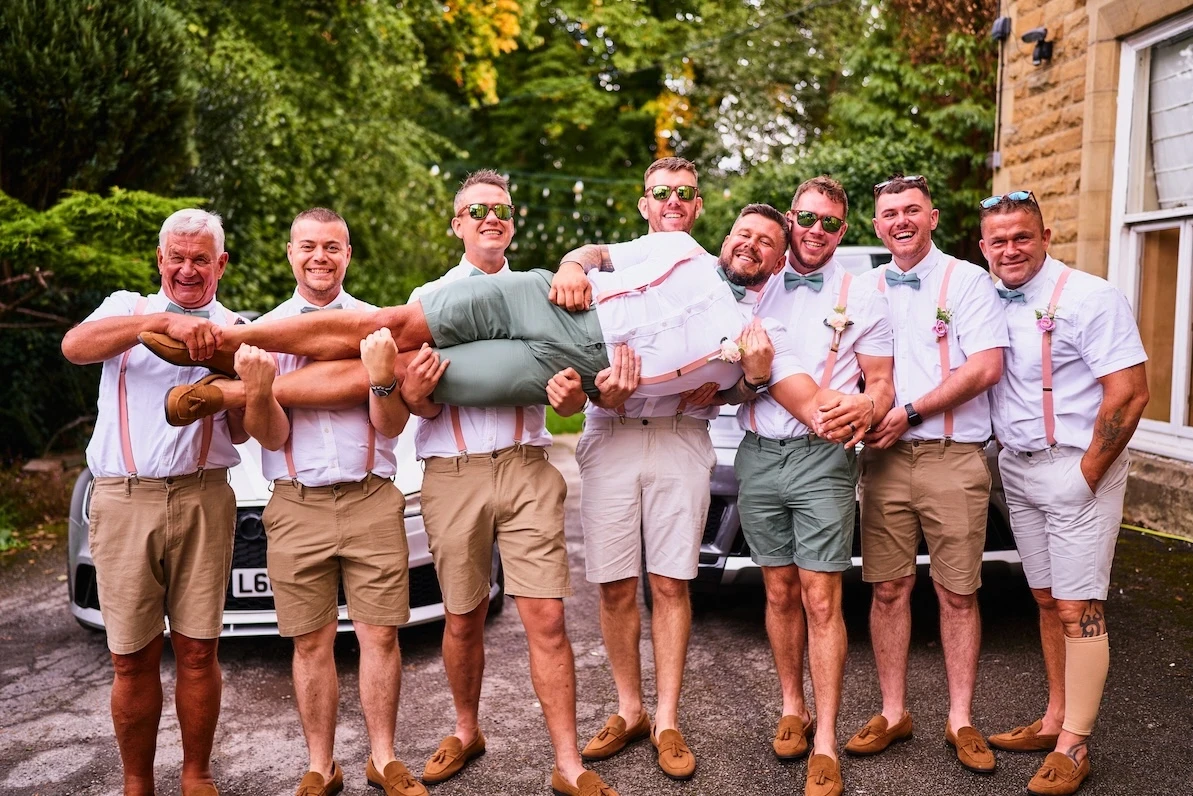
{"x": 1046, "y": 320}
{"x": 943, "y": 319}
{"x": 730, "y": 352}
{"x": 838, "y": 322}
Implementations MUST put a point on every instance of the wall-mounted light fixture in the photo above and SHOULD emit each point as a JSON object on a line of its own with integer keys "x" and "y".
{"x": 1043, "y": 49}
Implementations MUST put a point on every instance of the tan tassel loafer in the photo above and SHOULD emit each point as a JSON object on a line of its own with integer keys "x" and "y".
{"x": 615, "y": 736}
{"x": 792, "y": 738}
{"x": 1059, "y": 776}
{"x": 824, "y": 777}
{"x": 451, "y": 757}
{"x": 1024, "y": 739}
{"x": 972, "y": 750}
{"x": 589, "y": 784}
{"x": 176, "y": 353}
{"x": 313, "y": 783}
{"x": 875, "y": 736}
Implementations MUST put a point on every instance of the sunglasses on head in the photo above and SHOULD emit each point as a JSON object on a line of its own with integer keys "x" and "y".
{"x": 808, "y": 219}
{"x": 662, "y": 193}
{"x": 1013, "y": 196}
{"x": 910, "y": 179}
{"x": 480, "y": 211}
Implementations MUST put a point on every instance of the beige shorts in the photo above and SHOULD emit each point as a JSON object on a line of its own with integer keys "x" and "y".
{"x": 513, "y": 496}
{"x": 935, "y": 487}
{"x": 320, "y": 536}
{"x": 1064, "y": 532}
{"x": 162, "y": 547}
{"x": 645, "y": 481}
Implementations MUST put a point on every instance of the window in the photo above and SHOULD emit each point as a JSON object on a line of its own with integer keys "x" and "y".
{"x": 1151, "y": 256}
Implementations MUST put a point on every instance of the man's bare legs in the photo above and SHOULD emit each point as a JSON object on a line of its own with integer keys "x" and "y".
{"x": 960, "y": 641}
{"x": 197, "y": 690}
{"x": 136, "y": 712}
{"x": 330, "y": 334}
{"x": 786, "y": 630}
{"x": 380, "y": 686}
{"x": 317, "y": 692}
{"x": 890, "y": 635}
{"x": 827, "y": 644}
{"x": 1052, "y": 642}
{"x": 464, "y": 662}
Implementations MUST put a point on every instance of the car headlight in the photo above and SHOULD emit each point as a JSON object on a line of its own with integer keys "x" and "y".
{"x": 414, "y": 505}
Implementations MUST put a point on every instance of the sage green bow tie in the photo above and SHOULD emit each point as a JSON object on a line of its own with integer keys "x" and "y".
{"x": 792, "y": 280}
{"x": 739, "y": 291}
{"x": 896, "y": 277}
{"x": 328, "y": 307}
{"x": 1012, "y": 295}
{"x": 172, "y": 307}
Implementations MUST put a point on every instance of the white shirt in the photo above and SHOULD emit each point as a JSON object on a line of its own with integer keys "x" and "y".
{"x": 680, "y": 321}
{"x": 485, "y": 429}
{"x": 978, "y": 324}
{"x": 1095, "y": 335}
{"x": 159, "y": 449}
{"x": 804, "y": 312}
{"x": 329, "y": 446}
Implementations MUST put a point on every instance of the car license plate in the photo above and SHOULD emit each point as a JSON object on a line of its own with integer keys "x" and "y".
{"x": 251, "y": 583}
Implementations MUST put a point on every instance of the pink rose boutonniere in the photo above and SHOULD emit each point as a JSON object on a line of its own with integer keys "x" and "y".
{"x": 838, "y": 322}
{"x": 1045, "y": 320}
{"x": 729, "y": 352}
{"x": 943, "y": 319}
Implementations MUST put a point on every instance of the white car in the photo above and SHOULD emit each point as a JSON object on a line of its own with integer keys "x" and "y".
{"x": 248, "y": 605}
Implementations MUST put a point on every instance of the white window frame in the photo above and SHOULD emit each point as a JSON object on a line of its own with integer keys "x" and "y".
{"x": 1172, "y": 438}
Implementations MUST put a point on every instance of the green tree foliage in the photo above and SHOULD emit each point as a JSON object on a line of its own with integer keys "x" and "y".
{"x": 55, "y": 267}
{"x": 93, "y": 94}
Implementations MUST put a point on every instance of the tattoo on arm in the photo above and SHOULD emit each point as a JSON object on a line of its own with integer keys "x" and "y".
{"x": 1109, "y": 430}
{"x": 739, "y": 393}
{"x": 605, "y": 263}
{"x": 1093, "y": 620}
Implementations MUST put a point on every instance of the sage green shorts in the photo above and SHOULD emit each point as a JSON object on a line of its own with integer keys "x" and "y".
{"x": 797, "y": 501}
{"x": 506, "y": 340}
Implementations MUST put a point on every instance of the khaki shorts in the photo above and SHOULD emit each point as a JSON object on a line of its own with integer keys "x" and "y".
{"x": 162, "y": 547}
{"x": 935, "y": 487}
{"x": 644, "y": 481}
{"x": 1065, "y": 533}
{"x": 319, "y": 536}
{"x": 514, "y": 496}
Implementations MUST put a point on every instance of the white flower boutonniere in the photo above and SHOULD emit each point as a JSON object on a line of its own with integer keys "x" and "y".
{"x": 730, "y": 352}
{"x": 838, "y": 322}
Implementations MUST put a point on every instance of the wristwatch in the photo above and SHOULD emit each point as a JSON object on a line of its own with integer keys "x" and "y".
{"x": 913, "y": 417}
{"x": 383, "y": 391}
{"x": 754, "y": 387}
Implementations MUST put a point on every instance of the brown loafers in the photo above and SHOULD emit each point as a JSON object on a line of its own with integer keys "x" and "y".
{"x": 176, "y": 353}
{"x": 1059, "y": 776}
{"x": 1024, "y": 739}
{"x": 589, "y": 784}
{"x": 187, "y": 403}
{"x": 972, "y": 750}
{"x": 451, "y": 757}
{"x": 824, "y": 777}
{"x": 615, "y": 736}
{"x": 313, "y": 783}
{"x": 675, "y": 758}
{"x": 396, "y": 780}
{"x": 792, "y": 738}
{"x": 875, "y": 736}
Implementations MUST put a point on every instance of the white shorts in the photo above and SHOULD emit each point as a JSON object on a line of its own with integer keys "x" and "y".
{"x": 646, "y": 479}
{"x": 1065, "y": 533}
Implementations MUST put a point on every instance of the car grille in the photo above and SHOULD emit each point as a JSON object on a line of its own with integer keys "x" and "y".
{"x": 424, "y": 587}
{"x": 716, "y": 515}
{"x": 86, "y": 593}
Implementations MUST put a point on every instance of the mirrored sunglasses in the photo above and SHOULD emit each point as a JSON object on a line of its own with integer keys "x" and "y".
{"x": 480, "y": 211}
{"x": 662, "y": 193}
{"x": 808, "y": 219}
{"x": 1013, "y": 196}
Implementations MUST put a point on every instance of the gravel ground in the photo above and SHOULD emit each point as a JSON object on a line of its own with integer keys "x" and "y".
{"x": 56, "y": 737}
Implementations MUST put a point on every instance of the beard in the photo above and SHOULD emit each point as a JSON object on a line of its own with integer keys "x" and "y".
{"x": 810, "y": 265}
{"x": 738, "y": 277}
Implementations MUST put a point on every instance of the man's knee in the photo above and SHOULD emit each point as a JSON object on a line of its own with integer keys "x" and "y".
{"x": 822, "y": 597}
{"x": 1082, "y": 617}
{"x": 376, "y": 638}
{"x": 893, "y": 593}
{"x": 543, "y": 618}
{"x": 137, "y": 664}
{"x": 668, "y": 590}
{"x": 952, "y": 602}
{"x": 620, "y": 596}
{"x": 784, "y": 592}
{"x": 466, "y": 628}
{"x": 1044, "y": 599}
{"x": 317, "y": 644}
{"x": 195, "y": 654}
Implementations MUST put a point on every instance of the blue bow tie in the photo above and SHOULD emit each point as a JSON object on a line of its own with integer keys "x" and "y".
{"x": 792, "y": 280}
{"x": 328, "y": 307}
{"x": 897, "y": 277}
{"x": 1012, "y": 295}
{"x": 172, "y": 307}
{"x": 739, "y": 291}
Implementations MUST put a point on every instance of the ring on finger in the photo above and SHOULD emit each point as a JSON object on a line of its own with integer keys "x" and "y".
{"x": 852, "y": 431}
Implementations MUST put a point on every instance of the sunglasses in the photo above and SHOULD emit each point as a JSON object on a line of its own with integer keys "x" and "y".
{"x": 910, "y": 179}
{"x": 480, "y": 211}
{"x": 662, "y": 193}
{"x": 808, "y": 219}
{"x": 1013, "y": 196}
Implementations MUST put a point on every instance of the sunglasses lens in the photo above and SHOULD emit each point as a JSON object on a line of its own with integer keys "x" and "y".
{"x": 503, "y": 212}
{"x": 478, "y": 211}
{"x": 660, "y": 192}
{"x": 805, "y": 218}
{"x": 686, "y": 192}
{"x": 1018, "y": 196}
{"x": 831, "y": 223}
{"x": 990, "y": 201}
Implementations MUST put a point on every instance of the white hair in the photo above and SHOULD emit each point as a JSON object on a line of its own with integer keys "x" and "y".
{"x": 193, "y": 221}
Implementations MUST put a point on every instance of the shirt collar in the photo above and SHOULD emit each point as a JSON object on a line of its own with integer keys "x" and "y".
{"x": 340, "y": 299}
{"x": 505, "y": 265}
{"x": 925, "y": 266}
{"x": 751, "y": 298}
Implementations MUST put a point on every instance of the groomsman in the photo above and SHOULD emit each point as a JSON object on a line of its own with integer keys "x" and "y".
{"x": 1072, "y": 391}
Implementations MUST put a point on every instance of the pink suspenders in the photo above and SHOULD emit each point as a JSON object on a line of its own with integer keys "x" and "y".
{"x": 458, "y": 430}
{"x": 942, "y": 342}
{"x": 126, "y": 440}
{"x": 1046, "y": 360}
{"x": 830, "y": 363}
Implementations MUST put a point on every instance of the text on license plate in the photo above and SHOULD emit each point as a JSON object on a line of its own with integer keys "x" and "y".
{"x": 251, "y": 583}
